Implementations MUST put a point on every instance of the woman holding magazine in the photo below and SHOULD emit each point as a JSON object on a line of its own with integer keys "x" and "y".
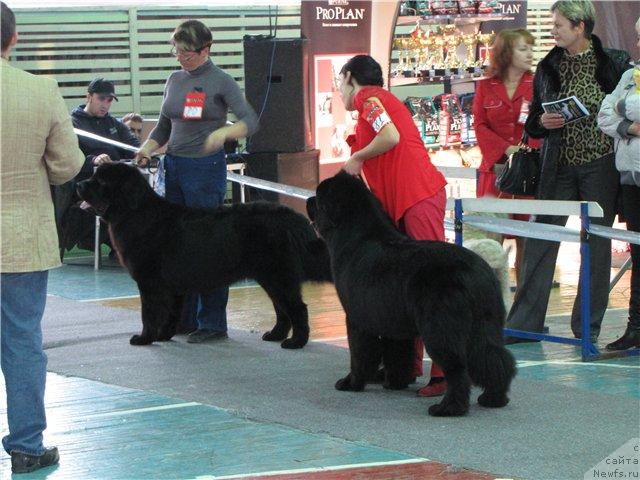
{"x": 577, "y": 161}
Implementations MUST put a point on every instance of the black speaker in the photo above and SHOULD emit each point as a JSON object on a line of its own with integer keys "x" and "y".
{"x": 299, "y": 169}
{"x": 275, "y": 84}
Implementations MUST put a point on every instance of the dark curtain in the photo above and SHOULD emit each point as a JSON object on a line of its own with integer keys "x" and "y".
{"x": 615, "y": 25}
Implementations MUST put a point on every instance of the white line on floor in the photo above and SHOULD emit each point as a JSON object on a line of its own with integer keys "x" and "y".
{"x": 134, "y": 411}
{"x": 535, "y": 363}
{"x": 312, "y": 470}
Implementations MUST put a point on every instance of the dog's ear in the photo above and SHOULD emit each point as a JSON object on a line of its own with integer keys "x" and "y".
{"x": 312, "y": 208}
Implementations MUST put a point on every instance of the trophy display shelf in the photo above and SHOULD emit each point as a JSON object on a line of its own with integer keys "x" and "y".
{"x": 458, "y": 18}
{"x": 410, "y": 77}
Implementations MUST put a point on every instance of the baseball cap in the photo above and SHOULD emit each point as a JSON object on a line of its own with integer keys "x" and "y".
{"x": 103, "y": 87}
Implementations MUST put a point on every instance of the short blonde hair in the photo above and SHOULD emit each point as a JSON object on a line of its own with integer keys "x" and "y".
{"x": 192, "y": 35}
{"x": 577, "y": 11}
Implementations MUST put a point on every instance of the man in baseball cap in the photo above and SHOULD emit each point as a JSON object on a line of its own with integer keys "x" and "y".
{"x": 103, "y": 87}
{"x": 94, "y": 117}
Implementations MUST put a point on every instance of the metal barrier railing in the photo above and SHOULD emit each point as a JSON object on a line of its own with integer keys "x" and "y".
{"x": 498, "y": 225}
{"x": 585, "y": 210}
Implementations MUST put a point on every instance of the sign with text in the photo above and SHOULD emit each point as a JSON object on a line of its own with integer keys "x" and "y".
{"x": 336, "y": 30}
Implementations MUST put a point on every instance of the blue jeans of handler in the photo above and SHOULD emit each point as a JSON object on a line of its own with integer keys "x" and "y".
{"x": 199, "y": 182}
{"x": 24, "y": 363}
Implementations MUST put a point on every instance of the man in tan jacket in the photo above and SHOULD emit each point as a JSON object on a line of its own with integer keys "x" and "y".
{"x": 37, "y": 148}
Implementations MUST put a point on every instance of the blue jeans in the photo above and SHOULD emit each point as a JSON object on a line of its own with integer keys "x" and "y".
{"x": 199, "y": 182}
{"x": 24, "y": 363}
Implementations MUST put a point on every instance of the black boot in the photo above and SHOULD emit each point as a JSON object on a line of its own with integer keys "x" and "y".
{"x": 630, "y": 339}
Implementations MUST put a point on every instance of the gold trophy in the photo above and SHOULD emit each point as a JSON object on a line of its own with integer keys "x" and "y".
{"x": 452, "y": 39}
{"x": 398, "y": 44}
{"x": 438, "y": 56}
{"x": 485, "y": 39}
{"x": 427, "y": 44}
{"x": 470, "y": 41}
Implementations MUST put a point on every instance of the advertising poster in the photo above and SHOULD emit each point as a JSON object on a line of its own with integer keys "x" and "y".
{"x": 337, "y": 30}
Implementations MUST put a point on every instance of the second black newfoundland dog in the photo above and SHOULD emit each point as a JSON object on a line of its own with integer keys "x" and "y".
{"x": 172, "y": 250}
{"x": 396, "y": 288}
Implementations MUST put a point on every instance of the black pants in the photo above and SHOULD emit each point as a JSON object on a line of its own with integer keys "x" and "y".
{"x": 631, "y": 209}
{"x": 597, "y": 181}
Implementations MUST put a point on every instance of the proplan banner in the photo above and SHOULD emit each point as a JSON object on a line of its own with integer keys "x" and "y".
{"x": 337, "y": 30}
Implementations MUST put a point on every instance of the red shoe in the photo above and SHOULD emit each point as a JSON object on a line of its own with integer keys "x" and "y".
{"x": 435, "y": 388}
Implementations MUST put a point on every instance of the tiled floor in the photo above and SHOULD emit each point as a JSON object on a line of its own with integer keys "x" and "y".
{"x": 110, "y": 432}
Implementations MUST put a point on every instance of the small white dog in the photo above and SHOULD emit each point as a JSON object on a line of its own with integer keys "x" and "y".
{"x": 488, "y": 246}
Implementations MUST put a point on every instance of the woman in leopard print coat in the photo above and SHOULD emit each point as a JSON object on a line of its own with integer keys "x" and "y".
{"x": 577, "y": 161}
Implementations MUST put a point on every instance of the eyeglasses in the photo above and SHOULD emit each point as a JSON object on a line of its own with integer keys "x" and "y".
{"x": 187, "y": 54}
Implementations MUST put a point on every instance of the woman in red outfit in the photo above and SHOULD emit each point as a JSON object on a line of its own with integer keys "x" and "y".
{"x": 388, "y": 152}
{"x": 500, "y": 109}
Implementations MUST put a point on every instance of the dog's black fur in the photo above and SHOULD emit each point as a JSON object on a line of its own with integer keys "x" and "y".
{"x": 172, "y": 250}
{"x": 393, "y": 287}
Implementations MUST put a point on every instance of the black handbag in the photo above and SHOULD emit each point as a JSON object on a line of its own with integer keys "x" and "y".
{"x": 521, "y": 171}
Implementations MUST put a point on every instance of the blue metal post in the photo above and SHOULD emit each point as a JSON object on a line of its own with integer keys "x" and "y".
{"x": 457, "y": 224}
{"x": 588, "y": 350}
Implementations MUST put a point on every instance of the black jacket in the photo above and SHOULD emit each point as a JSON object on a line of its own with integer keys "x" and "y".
{"x": 611, "y": 64}
{"x": 106, "y": 126}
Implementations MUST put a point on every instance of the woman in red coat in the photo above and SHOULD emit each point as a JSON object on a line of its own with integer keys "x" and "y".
{"x": 500, "y": 109}
{"x": 389, "y": 153}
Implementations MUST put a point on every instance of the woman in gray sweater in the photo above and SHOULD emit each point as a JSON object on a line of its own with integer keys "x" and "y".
{"x": 193, "y": 124}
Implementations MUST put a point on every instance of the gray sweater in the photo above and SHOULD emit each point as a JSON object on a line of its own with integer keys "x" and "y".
{"x": 186, "y": 137}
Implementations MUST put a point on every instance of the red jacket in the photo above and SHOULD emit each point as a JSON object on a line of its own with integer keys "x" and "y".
{"x": 497, "y": 124}
{"x": 404, "y": 175}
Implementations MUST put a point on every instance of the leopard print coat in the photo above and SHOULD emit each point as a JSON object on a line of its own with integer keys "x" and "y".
{"x": 547, "y": 87}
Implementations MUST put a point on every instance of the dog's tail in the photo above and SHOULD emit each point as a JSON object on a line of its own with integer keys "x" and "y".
{"x": 491, "y": 366}
{"x": 316, "y": 261}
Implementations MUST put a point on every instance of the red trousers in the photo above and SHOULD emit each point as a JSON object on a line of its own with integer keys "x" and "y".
{"x": 425, "y": 221}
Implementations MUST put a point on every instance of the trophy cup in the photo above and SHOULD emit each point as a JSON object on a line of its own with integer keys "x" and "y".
{"x": 427, "y": 44}
{"x": 452, "y": 39}
{"x": 485, "y": 39}
{"x": 438, "y": 55}
{"x": 470, "y": 41}
{"x": 398, "y": 44}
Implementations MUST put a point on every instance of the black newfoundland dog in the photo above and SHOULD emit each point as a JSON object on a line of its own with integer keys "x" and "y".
{"x": 395, "y": 288}
{"x": 172, "y": 250}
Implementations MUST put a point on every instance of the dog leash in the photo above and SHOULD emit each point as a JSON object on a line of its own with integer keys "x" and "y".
{"x": 153, "y": 164}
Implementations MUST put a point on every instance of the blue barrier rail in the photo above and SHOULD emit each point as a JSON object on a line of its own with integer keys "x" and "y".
{"x": 517, "y": 227}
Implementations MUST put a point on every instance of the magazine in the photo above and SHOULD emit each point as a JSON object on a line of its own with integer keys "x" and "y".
{"x": 570, "y": 108}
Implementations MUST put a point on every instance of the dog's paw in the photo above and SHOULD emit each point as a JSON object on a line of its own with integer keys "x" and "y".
{"x": 294, "y": 342}
{"x": 347, "y": 384}
{"x": 140, "y": 340}
{"x": 274, "y": 336}
{"x": 448, "y": 409}
{"x": 493, "y": 400}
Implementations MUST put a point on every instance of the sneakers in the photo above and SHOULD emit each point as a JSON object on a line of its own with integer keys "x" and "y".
{"x": 24, "y": 463}
{"x": 202, "y": 336}
{"x": 435, "y": 388}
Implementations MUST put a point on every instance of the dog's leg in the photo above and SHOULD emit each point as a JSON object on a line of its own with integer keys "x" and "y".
{"x": 446, "y": 348}
{"x": 286, "y": 296}
{"x": 366, "y": 352}
{"x": 456, "y": 398}
{"x": 168, "y": 329}
{"x": 280, "y": 331}
{"x": 398, "y": 357}
{"x": 154, "y": 310}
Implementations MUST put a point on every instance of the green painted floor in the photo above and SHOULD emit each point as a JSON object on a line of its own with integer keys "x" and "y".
{"x": 110, "y": 432}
